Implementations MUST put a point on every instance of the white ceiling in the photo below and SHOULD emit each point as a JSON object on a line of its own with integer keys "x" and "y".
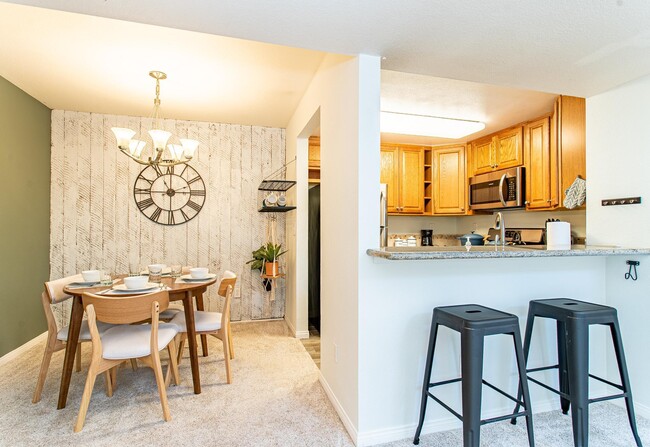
{"x": 81, "y": 62}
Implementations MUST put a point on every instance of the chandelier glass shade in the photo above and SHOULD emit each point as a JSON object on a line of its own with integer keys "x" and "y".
{"x": 162, "y": 152}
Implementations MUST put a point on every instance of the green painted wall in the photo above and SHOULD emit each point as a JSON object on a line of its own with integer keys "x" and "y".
{"x": 24, "y": 215}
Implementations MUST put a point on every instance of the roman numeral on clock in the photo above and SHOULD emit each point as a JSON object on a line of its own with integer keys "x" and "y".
{"x": 144, "y": 204}
{"x": 156, "y": 214}
{"x": 195, "y": 206}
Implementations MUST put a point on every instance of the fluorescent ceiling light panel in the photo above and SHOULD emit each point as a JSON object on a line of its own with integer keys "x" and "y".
{"x": 428, "y": 126}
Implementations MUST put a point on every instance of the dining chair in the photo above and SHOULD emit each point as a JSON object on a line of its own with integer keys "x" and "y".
{"x": 216, "y": 324}
{"x": 57, "y": 338}
{"x": 126, "y": 340}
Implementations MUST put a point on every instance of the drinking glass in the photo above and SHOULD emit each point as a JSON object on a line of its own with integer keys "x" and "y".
{"x": 155, "y": 273}
{"x": 176, "y": 270}
{"x": 105, "y": 277}
{"x": 134, "y": 268}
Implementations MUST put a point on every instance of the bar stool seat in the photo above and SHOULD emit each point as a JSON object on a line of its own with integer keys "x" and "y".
{"x": 573, "y": 318}
{"x": 474, "y": 322}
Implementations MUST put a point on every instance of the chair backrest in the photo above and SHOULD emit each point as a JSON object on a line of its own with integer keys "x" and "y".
{"x": 226, "y": 289}
{"x": 228, "y": 279}
{"x": 54, "y": 288}
{"x": 125, "y": 309}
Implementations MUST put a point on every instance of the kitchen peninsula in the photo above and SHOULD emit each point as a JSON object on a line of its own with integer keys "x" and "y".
{"x": 492, "y": 252}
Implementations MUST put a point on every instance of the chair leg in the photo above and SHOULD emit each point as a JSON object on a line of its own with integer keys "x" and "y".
{"x": 109, "y": 383}
{"x": 562, "y": 367}
{"x": 577, "y": 337}
{"x": 172, "y": 368}
{"x": 527, "y": 336}
{"x": 181, "y": 346}
{"x": 232, "y": 350}
{"x": 433, "y": 335}
{"x": 625, "y": 379}
{"x": 226, "y": 355}
{"x": 134, "y": 364}
{"x": 472, "y": 376}
{"x": 523, "y": 386}
{"x": 78, "y": 358}
{"x": 85, "y": 398}
{"x": 160, "y": 382}
{"x": 45, "y": 365}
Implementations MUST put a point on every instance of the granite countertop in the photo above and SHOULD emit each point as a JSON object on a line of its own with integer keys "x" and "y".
{"x": 480, "y": 252}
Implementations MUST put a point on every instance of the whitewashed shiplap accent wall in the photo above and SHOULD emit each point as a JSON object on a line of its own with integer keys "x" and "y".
{"x": 95, "y": 222}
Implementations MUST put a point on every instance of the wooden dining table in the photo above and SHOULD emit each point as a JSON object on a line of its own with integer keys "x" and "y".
{"x": 178, "y": 291}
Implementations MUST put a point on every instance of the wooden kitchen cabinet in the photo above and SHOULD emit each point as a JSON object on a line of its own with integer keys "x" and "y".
{"x": 449, "y": 180}
{"x": 314, "y": 160}
{"x": 541, "y": 166}
{"x": 501, "y": 150}
{"x": 568, "y": 140}
{"x": 402, "y": 169}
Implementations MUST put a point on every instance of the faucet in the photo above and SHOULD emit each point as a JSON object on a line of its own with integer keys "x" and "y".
{"x": 500, "y": 224}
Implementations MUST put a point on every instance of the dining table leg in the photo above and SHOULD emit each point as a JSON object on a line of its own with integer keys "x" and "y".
{"x": 204, "y": 338}
{"x": 191, "y": 338}
{"x": 76, "y": 315}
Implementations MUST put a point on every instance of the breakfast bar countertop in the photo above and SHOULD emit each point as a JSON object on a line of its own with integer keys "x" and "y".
{"x": 491, "y": 252}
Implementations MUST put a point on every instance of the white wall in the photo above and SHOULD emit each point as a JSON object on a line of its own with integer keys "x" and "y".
{"x": 345, "y": 95}
{"x": 618, "y": 156}
{"x": 95, "y": 222}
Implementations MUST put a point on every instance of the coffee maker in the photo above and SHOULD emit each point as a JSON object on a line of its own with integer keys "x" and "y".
{"x": 426, "y": 238}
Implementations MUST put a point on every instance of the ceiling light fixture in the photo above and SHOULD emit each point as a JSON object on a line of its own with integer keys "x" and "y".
{"x": 178, "y": 153}
{"x": 428, "y": 126}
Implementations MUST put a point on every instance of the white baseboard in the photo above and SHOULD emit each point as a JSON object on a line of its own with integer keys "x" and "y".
{"x": 347, "y": 423}
{"x": 10, "y": 356}
{"x": 397, "y": 433}
{"x": 296, "y": 334}
{"x": 642, "y": 410}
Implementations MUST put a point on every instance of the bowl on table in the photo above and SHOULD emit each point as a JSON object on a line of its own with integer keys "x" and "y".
{"x": 90, "y": 275}
{"x": 135, "y": 282}
{"x": 199, "y": 272}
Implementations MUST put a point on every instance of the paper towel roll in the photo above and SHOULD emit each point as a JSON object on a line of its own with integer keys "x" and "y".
{"x": 558, "y": 236}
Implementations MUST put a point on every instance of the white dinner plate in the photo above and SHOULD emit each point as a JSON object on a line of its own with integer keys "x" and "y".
{"x": 207, "y": 278}
{"x": 147, "y": 287}
{"x": 84, "y": 283}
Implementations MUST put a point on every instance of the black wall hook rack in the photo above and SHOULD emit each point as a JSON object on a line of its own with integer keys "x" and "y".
{"x": 631, "y": 274}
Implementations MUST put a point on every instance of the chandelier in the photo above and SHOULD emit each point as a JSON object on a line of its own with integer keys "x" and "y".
{"x": 133, "y": 148}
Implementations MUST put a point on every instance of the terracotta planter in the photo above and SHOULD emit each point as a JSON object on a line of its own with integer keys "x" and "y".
{"x": 271, "y": 268}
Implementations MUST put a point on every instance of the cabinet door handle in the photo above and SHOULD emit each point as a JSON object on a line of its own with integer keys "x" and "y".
{"x": 549, "y": 200}
{"x": 526, "y": 202}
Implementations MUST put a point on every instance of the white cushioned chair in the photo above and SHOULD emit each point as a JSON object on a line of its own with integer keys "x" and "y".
{"x": 126, "y": 340}
{"x": 57, "y": 338}
{"x": 216, "y": 324}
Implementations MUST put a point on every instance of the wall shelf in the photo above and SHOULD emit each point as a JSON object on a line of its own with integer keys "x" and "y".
{"x": 276, "y": 185}
{"x": 276, "y": 209}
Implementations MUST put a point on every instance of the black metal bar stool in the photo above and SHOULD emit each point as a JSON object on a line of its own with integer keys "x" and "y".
{"x": 573, "y": 319}
{"x": 474, "y": 323}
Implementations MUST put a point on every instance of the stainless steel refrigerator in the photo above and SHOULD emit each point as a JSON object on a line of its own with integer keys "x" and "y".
{"x": 383, "y": 215}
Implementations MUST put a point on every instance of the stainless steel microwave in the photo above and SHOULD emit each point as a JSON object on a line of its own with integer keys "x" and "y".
{"x": 497, "y": 190}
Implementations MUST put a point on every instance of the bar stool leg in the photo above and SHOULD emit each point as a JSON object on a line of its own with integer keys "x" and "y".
{"x": 427, "y": 377}
{"x": 562, "y": 366}
{"x": 523, "y": 386}
{"x": 472, "y": 376}
{"x": 625, "y": 380}
{"x": 577, "y": 337}
{"x": 527, "y": 336}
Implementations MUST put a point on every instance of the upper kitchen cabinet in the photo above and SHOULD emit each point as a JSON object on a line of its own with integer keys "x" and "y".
{"x": 568, "y": 139}
{"x": 541, "y": 166}
{"x": 449, "y": 180}
{"x": 402, "y": 169}
{"x": 314, "y": 160}
{"x": 501, "y": 150}
{"x": 555, "y": 153}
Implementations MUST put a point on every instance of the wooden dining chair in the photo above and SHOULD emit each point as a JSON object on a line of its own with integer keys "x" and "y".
{"x": 57, "y": 338}
{"x": 216, "y": 324}
{"x": 126, "y": 340}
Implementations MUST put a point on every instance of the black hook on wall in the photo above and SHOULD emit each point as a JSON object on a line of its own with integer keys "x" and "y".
{"x": 631, "y": 274}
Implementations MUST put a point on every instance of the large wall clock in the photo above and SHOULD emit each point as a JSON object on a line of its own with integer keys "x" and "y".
{"x": 170, "y": 195}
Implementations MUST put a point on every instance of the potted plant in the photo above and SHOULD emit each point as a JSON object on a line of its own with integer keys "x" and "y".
{"x": 266, "y": 257}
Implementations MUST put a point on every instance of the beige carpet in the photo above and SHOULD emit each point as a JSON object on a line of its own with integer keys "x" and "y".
{"x": 275, "y": 400}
